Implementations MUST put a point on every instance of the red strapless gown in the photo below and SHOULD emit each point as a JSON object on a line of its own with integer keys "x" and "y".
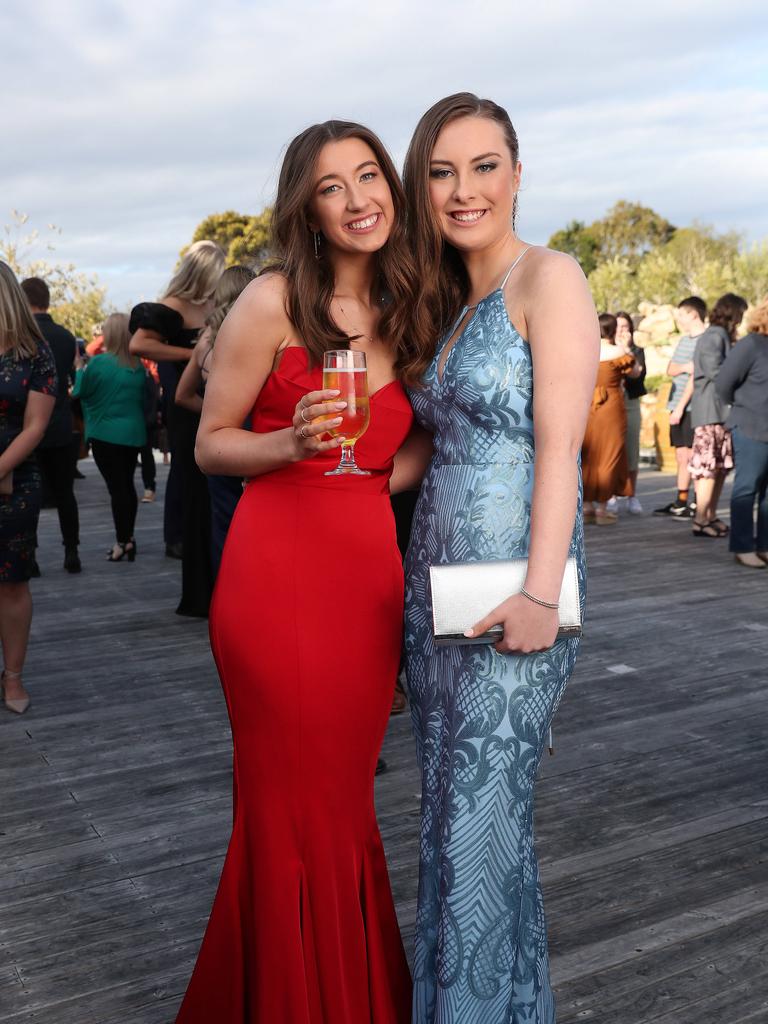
{"x": 306, "y": 626}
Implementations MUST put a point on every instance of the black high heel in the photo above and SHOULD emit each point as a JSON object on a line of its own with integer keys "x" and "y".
{"x": 126, "y": 551}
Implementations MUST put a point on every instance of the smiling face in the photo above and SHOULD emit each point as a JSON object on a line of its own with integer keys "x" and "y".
{"x": 472, "y": 183}
{"x": 352, "y": 204}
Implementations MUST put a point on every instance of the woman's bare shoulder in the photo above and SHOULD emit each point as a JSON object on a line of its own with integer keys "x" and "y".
{"x": 546, "y": 266}
{"x": 265, "y": 296}
{"x": 257, "y": 325}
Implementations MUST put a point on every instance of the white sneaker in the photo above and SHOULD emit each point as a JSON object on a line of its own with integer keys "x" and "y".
{"x": 612, "y": 505}
{"x": 634, "y": 507}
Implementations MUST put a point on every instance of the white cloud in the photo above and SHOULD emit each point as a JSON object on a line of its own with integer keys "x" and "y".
{"x": 129, "y": 122}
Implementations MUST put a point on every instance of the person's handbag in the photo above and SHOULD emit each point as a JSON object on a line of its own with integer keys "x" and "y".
{"x": 6, "y": 483}
{"x": 464, "y": 592}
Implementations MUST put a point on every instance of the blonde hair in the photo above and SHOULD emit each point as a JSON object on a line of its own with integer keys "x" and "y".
{"x": 758, "y": 318}
{"x": 18, "y": 328}
{"x": 198, "y": 273}
{"x": 116, "y": 338}
{"x": 231, "y": 283}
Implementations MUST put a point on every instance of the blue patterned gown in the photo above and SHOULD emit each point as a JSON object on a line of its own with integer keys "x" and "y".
{"x": 480, "y": 718}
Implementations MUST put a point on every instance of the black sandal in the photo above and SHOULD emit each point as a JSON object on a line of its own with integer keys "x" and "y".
{"x": 127, "y": 550}
{"x": 705, "y": 530}
{"x": 722, "y": 528}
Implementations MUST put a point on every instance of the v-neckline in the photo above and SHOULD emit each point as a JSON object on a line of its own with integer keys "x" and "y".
{"x": 440, "y": 370}
{"x": 454, "y": 341}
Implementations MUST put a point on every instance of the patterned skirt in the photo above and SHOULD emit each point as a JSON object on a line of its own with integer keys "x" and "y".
{"x": 712, "y": 452}
{"x": 19, "y": 513}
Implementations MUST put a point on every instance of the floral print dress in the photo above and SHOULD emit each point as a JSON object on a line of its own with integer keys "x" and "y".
{"x": 19, "y": 511}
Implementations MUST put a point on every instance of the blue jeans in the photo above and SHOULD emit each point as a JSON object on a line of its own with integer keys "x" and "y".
{"x": 750, "y": 483}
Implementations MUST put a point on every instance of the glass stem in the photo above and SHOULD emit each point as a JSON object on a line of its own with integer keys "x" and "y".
{"x": 347, "y": 457}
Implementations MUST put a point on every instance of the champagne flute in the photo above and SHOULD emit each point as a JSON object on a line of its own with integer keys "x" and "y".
{"x": 345, "y": 370}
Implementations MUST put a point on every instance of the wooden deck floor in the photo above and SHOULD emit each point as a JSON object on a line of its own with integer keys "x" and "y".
{"x": 652, "y": 818}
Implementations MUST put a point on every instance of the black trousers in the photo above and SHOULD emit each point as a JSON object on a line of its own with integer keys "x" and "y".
{"x": 148, "y": 471}
{"x": 117, "y": 464}
{"x": 58, "y": 472}
{"x": 196, "y": 570}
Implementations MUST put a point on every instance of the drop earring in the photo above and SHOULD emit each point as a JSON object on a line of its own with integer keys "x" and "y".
{"x": 514, "y": 212}
{"x": 316, "y": 239}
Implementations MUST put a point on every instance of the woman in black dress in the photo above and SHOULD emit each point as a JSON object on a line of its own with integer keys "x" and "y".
{"x": 166, "y": 332}
{"x": 27, "y": 396}
{"x": 224, "y": 491}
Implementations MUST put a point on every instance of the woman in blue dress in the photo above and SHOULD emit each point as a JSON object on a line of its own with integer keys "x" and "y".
{"x": 506, "y": 393}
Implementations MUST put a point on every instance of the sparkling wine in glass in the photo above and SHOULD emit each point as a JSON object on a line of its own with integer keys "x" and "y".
{"x": 345, "y": 371}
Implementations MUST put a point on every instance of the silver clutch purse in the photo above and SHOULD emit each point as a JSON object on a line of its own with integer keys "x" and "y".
{"x": 464, "y": 592}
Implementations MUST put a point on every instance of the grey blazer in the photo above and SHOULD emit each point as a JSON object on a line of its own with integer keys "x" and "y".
{"x": 743, "y": 380}
{"x": 712, "y": 346}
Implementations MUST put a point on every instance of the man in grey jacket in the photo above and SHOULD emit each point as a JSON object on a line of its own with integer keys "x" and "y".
{"x": 743, "y": 384}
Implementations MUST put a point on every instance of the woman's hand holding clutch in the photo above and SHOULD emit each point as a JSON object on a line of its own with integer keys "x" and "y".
{"x": 528, "y": 626}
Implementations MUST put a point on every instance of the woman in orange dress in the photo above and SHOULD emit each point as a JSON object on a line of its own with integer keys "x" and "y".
{"x": 306, "y": 618}
{"x": 604, "y": 462}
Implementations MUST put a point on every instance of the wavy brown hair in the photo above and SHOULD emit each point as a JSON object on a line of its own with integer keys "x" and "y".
{"x": 443, "y": 276}
{"x": 310, "y": 280}
{"x": 728, "y": 312}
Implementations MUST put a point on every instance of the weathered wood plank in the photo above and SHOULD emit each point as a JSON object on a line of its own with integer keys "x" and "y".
{"x": 652, "y": 818}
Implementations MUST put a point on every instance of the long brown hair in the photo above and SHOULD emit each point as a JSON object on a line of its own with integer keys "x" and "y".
{"x": 311, "y": 280}
{"x": 728, "y": 312}
{"x": 19, "y": 332}
{"x": 231, "y": 283}
{"x": 443, "y": 276}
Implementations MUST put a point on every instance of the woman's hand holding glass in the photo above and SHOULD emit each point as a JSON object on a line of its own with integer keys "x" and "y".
{"x": 311, "y": 421}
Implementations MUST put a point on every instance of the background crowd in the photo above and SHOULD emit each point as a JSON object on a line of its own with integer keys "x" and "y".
{"x": 139, "y": 384}
{"x": 718, "y": 421}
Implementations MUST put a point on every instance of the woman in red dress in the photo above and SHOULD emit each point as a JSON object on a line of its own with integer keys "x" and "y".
{"x": 306, "y": 618}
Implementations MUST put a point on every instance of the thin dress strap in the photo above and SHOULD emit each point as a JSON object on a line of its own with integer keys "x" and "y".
{"x": 506, "y": 276}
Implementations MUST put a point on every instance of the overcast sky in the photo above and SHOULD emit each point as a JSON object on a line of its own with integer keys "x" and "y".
{"x": 126, "y": 123}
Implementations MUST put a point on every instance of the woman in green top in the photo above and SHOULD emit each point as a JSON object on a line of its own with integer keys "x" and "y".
{"x": 111, "y": 389}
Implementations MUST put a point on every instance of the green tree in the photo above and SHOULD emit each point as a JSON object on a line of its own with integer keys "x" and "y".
{"x": 578, "y": 241}
{"x": 750, "y": 273}
{"x": 78, "y": 301}
{"x": 659, "y": 278}
{"x": 695, "y": 261}
{"x": 629, "y": 231}
{"x": 244, "y": 237}
{"x": 614, "y": 285}
{"x": 635, "y": 254}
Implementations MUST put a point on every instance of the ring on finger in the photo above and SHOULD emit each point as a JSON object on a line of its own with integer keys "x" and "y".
{"x": 302, "y": 434}
{"x": 303, "y": 414}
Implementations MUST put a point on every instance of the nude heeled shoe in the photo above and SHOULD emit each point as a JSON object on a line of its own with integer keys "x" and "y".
{"x": 16, "y": 704}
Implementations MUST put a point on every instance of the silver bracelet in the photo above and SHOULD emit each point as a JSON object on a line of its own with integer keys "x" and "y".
{"x": 536, "y": 600}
